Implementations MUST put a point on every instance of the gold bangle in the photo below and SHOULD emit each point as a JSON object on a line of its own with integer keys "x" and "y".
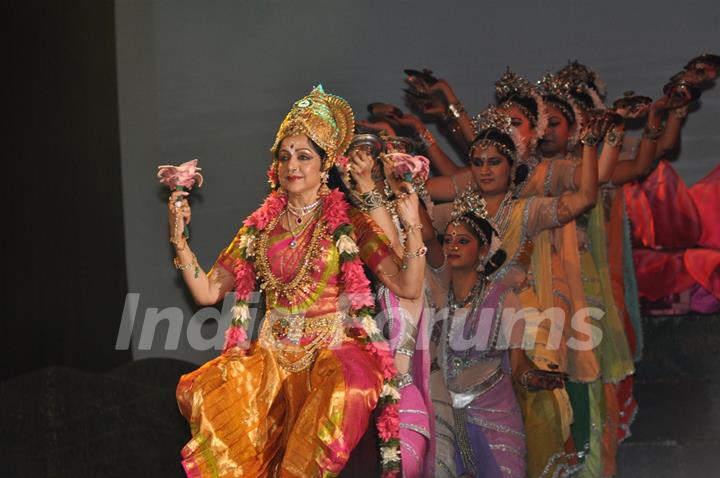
{"x": 419, "y": 253}
{"x": 184, "y": 267}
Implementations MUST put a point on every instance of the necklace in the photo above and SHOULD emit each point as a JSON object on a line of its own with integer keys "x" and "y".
{"x": 295, "y": 233}
{"x": 502, "y": 216}
{"x": 302, "y": 282}
{"x": 302, "y": 211}
{"x": 474, "y": 293}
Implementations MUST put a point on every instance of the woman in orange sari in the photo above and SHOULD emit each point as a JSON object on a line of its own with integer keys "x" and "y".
{"x": 296, "y": 401}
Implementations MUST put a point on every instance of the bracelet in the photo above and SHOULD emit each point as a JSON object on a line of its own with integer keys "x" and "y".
{"x": 614, "y": 138}
{"x": 652, "y": 133}
{"x": 184, "y": 267}
{"x": 371, "y": 200}
{"x": 455, "y": 109}
{"x": 403, "y": 380}
{"x": 427, "y": 139}
{"x": 681, "y": 112}
{"x": 590, "y": 140}
{"x": 411, "y": 227}
{"x": 419, "y": 253}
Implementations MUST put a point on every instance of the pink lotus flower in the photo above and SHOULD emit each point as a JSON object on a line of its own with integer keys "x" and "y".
{"x": 184, "y": 175}
{"x": 388, "y": 423}
{"x": 410, "y": 168}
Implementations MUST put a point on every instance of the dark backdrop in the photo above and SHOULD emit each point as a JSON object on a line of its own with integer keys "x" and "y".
{"x": 64, "y": 257}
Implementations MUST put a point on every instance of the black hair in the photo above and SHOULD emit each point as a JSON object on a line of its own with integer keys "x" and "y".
{"x": 585, "y": 100}
{"x": 565, "y": 108}
{"x": 527, "y": 102}
{"x": 498, "y": 258}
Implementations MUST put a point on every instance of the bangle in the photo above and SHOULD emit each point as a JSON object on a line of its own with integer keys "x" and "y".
{"x": 681, "y": 112}
{"x": 184, "y": 267}
{"x": 614, "y": 138}
{"x": 411, "y": 227}
{"x": 427, "y": 139}
{"x": 455, "y": 109}
{"x": 652, "y": 133}
{"x": 590, "y": 140}
{"x": 419, "y": 253}
{"x": 371, "y": 200}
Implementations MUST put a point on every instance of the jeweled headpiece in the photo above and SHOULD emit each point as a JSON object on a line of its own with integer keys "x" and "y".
{"x": 493, "y": 119}
{"x": 512, "y": 89}
{"x": 511, "y": 84}
{"x": 578, "y": 79}
{"x": 470, "y": 203}
{"x": 324, "y": 118}
{"x": 553, "y": 89}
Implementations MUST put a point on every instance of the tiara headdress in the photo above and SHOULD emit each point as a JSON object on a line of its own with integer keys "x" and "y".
{"x": 578, "y": 78}
{"x": 512, "y": 86}
{"x": 493, "y": 118}
{"x": 469, "y": 203}
{"x": 324, "y": 118}
{"x": 550, "y": 85}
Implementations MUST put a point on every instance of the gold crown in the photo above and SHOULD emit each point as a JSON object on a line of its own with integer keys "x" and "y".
{"x": 511, "y": 84}
{"x": 324, "y": 118}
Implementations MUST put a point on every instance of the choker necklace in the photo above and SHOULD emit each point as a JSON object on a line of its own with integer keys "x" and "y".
{"x": 303, "y": 211}
{"x": 454, "y": 304}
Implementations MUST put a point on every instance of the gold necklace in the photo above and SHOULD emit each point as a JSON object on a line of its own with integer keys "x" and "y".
{"x": 302, "y": 282}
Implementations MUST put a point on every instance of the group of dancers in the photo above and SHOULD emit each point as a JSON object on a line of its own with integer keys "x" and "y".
{"x": 479, "y": 322}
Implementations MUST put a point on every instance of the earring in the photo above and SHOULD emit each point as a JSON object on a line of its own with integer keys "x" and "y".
{"x": 324, "y": 189}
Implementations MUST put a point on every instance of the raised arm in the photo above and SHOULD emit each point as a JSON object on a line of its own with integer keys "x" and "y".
{"x": 440, "y": 161}
{"x": 372, "y": 201}
{"x": 406, "y": 278}
{"x": 205, "y": 289}
{"x": 627, "y": 171}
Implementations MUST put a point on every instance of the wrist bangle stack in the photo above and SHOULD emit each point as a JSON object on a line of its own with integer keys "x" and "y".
{"x": 652, "y": 133}
{"x": 371, "y": 200}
